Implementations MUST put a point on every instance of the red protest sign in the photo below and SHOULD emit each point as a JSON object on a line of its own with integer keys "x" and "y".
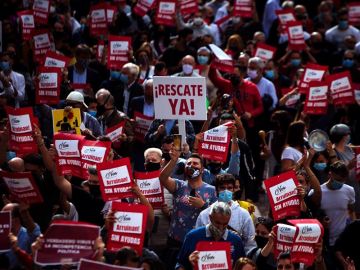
{"x": 309, "y": 232}
{"x": 284, "y": 238}
{"x": 283, "y": 197}
{"x": 243, "y": 8}
{"x": 354, "y": 13}
{"x": 341, "y": 88}
{"x": 285, "y": 16}
{"x": 129, "y": 226}
{"x": 115, "y": 178}
{"x": 42, "y": 43}
{"x": 41, "y": 10}
{"x": 110, "y": 11}
{"x": 94, "y": 265}
{"x": 119, "y": 47}
{"x": 265, "y": 51}
{"x": 165, "y": 13}
{"x": 222, "y": 60}
{"x": 317, "y": 98}
{"x": 53, "y": 59}
{"x": 215, "y": 143}
{"x": 143, "y": 6}
{"x": 142, "y": 124}
{"x": 27, "y": 23}
{"x": 115, "y": 132}
{"x": 295, "y": 36}
{"x": 21, "y": 130}
{"x": 188, "y": 7}
{"x": 22, "y": 187}
{"x": 213, "y": 255}
{"x": 48, "y": 86}
{"x": 5, "y": 229}
{"x": 66, "y": 242}
{"x": 293, "y": 99}
{"x": 83, "y": 88}
{"x": 100, "y": 50}
{"x": 357, "y": 166}
{"x": 150, "y": 186}
{"x": 98, "y": 20}
{"x": 312, "y": 72}
{"x": 68, "y": 149}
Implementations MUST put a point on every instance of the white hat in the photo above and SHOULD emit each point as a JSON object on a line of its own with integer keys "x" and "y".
{"x": 77, "y": 97}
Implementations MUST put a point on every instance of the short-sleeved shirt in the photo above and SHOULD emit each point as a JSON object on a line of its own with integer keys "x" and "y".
{"x": 184, "y": 215}
{"x": 291, "y": 153}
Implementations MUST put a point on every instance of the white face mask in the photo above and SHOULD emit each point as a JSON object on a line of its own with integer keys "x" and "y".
{"x": 187, "y": 69}
{"x": 252, "y": 73}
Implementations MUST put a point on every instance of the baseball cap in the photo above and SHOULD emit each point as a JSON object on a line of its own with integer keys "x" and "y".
{"x": 77, "y": 97}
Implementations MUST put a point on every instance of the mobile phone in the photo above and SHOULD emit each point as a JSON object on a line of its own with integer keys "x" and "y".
{"x": 192, "y": 193}
{"x": 177, "y": 142}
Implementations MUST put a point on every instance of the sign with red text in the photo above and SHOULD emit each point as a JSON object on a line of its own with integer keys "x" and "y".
{"x": 165, "y": 13}
{"x": 341, "y": 88}
{"x": 115, "y": 178}
{"x": 295, "y": 36}
{"x": 98, "y": 20}
{"x": 180, "y": 98}
{"x": 110, "y": 11}
{"x": 22, "y": 187}
{"x": 213, "y": 255}
{"x": 115, "y": 132}
{"x": 309, "y": 232}
{"x": 222, "y": 60}
{"x": 42, "y": 43}
{"x": 27, "y": 23}
{"x": 48, "y": 86}
{"x": 21, "y": 138}
{"x": 312, "y": 72}
{"x": 283, "y": 197}
{"x": 264, "y": 51}
{"x": 142, "y": 124}
{"x": 129, "y": 226}
{"x": 243, "y": 8}
{"x": 66, "y": 242}
{"x": 5, "y": 229}
{"x": 143, "y": 6}
{"x": 55, "y": 60}
{"x": 293, "y": 99}
{"x": 285, "y": 16}
{"x": 150, "y": 186}
{"x": 118, "y": 51}
{"x": 354, "y": 13}
{"x": 94, "y": 265}
{"x": 188, "y": 7}
{"x": 66, "y": 121}
{"x": 357, "y": 166}
{"x": 215, "y": 143}
{"x": 68, "y": 153}
{"x": 284, "y": 238}
{"x": 317, "y": 98}
{"x": 41, "y": 10}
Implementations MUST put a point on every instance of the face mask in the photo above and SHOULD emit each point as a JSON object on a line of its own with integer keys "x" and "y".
{"x": 335, "y": 185}
{"x": 152, "y": 166}
{"x": 198, "y": 21}
{"x": 321, "y": 166}
{"x": 348, "y": 63}
{"x": 92, "y": 113}
{"x": 10, "y": 155}
{"x": 225, "y": 196}
{"x": 202, "y": 60}
{"x": 214, "y": 168}
{"x": 4, "y": 65}
{"x": 166, "y": 156}
{"x": 124, "y": 78}
{"x": 295, "y": 62}
{"x": 191, "y": 172}
{"x": 269, "y": 74}
{"x": 261, "y": 241}
{"x": 187, "y": 69}
{"x": 100, "y": 109}
{"x": 252, "y": 73}
{"x": 343, "y": 25}
{"x": 215, "y": 232}
{"x": 235, "y": 80}
{"x": 233, "y": 47}
{"x": 115, "y": 75}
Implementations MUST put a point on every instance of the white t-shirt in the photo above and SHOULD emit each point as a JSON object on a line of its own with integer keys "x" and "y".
{"x": 291, "y": 153}
{"x": 337, "y": 37}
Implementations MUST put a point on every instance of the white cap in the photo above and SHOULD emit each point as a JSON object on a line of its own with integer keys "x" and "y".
{"x": 77, "y": 97}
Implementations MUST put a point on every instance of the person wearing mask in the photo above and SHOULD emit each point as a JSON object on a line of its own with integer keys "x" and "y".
{"x": 188, "y": 65}
{"x": 290, "y": 63}
{"x": 219, "y": 216}
{"x": 280, "y": 81}
{"x": 145, "y": 66}
{"x": 115, "y": 86}
{"x": 234, "y": 46}
{"x": 240, "y": 221}
{"x": 197, "y": 24}
{"x": 203, "y": 59}
{"x": 318, "y": 49}
{"x": 349, "y": 64}
{"x": 215, "y": 5}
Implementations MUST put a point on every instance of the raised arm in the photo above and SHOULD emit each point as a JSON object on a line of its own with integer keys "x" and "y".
{"x": 314, "y": 182}
{"x": 165, "y": 179}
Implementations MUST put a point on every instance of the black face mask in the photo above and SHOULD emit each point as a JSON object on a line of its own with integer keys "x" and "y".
{"x": 95, "y": 190}
{"x": 166, "y": 156}
{"x": 152, "y": 166}
{"x": 101, "y": 108}
{"x": 214, "y": 168}
{"x": 261, "y": 241}
{"x": 235, "y": 80}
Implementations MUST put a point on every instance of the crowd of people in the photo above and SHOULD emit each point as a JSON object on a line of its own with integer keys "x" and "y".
{"x": 205, "y": 199}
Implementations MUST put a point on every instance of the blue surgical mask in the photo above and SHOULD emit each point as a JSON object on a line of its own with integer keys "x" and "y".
{"x": 115, "y": 75}
{"x": 320, "y": 166}
{"x": 225, "y": 196}
{"x": 343, "y": 24}
{"x": 335, "y": 185}
{"x": 10, "y": 155}
{"x": 269, "y": 74}
{"x": 124, "y": 78}
{"x": 92, "y": 113}
{"x": 295, "y": 62}
{"x": 4, "y": 65}
{"x": 348, "y": 63}
{"x": 202, "y": 59}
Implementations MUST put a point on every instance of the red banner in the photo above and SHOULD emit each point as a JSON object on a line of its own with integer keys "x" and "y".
{"x": 188, "y": 7}
{"x": 115, "y": 178}
{"x": 165, "y": 13}
{"x": 357, "y": 166}
{"x": 283, "y": 197}
{"x": 317, "y": 98}
{"x": 22, "y": 187}
{"x": 5, "y": 229}
{"x": 110, "y": 12}
{"x": 68, "y": 149}
{"x": 66, "y": 242}
{"x": 27, "y": 22}
{"x": 53, "y": 59}
{"x": 309, "y": 232}
{"x": 312, "y": 72}
{"x": 215, "y": 143}
{"x": 115, "y": 132}
{"x": 213, "y": 255}
{"x": 21, "y": 130}
{"x": 142, "y": 124}
{"x": 118, "y": 50}
{"x": 94, "y": 265}
{"x": 265, "y": 52}
{"x": 341, "y": 88}
{"x": 48, "y": 86}
{"x": 83, "y": 88}
{"x": 129, "y": 227}
{"x": 150, "y": 186}
{"x": 296, "y": 36}
{"x": 243, "y": 8}
{"x": 100, "y": 50}
{"x": 222, "y": 61}
{"x": 285, "y": 16}
{"x": 293, "y": 100}
{"x": 284, "y": 238}
{"x": 98, "y": 19}
{"x": 41, "y": 10}
{"x": 354, "y": 13}
{"x": 42, "y": 44}
{"x": 143, "y": 6}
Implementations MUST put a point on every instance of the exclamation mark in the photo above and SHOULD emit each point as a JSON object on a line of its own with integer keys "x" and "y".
{"x": 192, "y": 107}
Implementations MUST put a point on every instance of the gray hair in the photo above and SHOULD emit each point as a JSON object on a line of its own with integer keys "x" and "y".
{"x": 153, "y": 150}
{"x": 220, "y": 208}
{"x": 258, "y": 61}
{"x": 134, "y": 69}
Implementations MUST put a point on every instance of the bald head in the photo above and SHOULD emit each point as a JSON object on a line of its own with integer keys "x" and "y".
{"x": 188, "y": 59}
{"x": 16, "y": 164}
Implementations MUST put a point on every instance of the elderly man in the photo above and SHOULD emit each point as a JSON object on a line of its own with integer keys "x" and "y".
{"x": 188, "y": 64}
{"x": 216, "y": 230}
{"x": 143, "y": 104}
